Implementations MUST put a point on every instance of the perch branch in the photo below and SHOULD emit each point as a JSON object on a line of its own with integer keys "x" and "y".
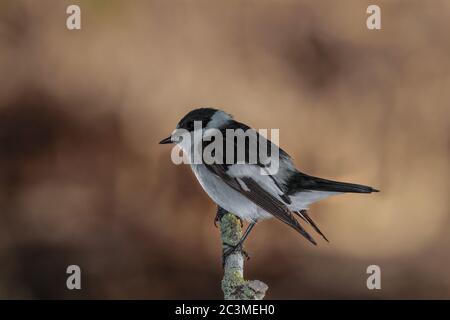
{"x": 234, "y": 286}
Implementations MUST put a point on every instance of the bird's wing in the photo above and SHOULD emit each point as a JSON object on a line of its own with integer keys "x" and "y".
{"x": 304, "y": 215}
{"x": 250, "y": 189}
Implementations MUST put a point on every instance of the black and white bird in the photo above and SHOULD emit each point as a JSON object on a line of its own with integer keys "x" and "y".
{"x": 240, "y": 188}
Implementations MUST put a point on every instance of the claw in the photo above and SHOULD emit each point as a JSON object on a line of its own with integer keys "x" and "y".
{"x": 216, "y": 221}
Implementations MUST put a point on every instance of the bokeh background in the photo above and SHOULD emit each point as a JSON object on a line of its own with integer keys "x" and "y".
{"x": 83, "y": 180}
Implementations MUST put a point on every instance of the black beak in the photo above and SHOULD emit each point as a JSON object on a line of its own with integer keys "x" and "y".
{"x": 166, "y": 140}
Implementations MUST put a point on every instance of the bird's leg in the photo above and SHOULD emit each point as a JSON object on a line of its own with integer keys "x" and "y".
{"x": 239, "y": 246}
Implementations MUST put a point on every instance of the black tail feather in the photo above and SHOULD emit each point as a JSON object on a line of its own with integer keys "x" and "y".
{"x": 301, "y": 181}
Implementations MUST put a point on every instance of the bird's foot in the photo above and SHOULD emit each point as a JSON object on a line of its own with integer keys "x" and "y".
{"x": 219, "y": 215}
{"x": 230, "y": 249}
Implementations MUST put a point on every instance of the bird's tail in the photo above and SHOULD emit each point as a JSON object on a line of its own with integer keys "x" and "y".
{"x": 336, "y": 186}
{"x": 306, "y": 182}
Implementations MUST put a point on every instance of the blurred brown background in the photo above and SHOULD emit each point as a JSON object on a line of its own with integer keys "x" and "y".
{"x": 83, "y": 180}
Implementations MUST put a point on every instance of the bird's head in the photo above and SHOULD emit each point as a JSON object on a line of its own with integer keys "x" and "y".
{"x": 197, "y": 120}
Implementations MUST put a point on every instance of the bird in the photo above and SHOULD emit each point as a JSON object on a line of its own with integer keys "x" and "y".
{"x": 238, "y": 185}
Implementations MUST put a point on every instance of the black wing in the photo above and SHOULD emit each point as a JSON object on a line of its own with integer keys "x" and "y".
{"x": 261, "y": 198}
{"x": 304, "y": 215}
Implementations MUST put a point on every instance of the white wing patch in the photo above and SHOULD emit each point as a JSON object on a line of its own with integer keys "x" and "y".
{"x": 242, "y": 184}
{"x": 253, "y": 172}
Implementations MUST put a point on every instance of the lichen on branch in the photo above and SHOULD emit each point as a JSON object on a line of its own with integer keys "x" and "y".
{"x": 234, "y": 286}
